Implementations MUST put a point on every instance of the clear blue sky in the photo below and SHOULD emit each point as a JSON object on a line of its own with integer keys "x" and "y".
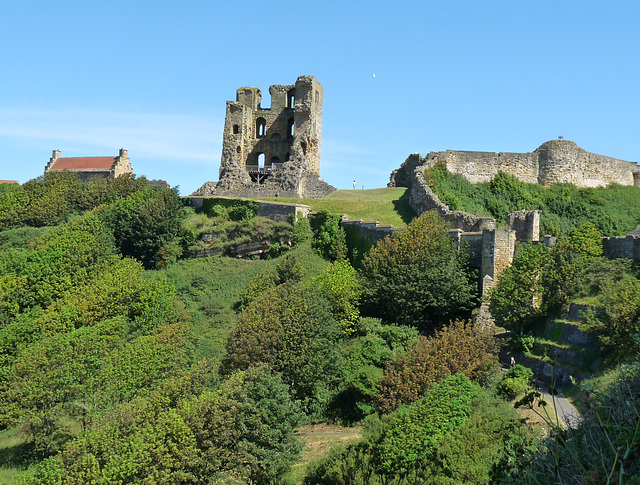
{"x": 89, "y": 77}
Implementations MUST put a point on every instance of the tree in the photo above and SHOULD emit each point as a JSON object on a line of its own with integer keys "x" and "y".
{"x": 339, "y": 285}
{"x": 245, "y": 428}
{"x": 291, "y": 328}
{"x": 417, "y": 277}
{"x": 516, "y": 301}
{"x": 460, "y": 347}
{"x": 366, "y": 353}
{"x": 145, "y": 222}
{"x": 616, "y": 321}
{"x": 330, "y": 239}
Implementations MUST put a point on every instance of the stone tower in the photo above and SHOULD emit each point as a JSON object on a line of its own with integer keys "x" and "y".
{"x": 275, "y": 151}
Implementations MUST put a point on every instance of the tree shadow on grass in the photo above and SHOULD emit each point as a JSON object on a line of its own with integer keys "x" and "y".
{"x": 19, "y": 455}
{"x": 403, "y": 208}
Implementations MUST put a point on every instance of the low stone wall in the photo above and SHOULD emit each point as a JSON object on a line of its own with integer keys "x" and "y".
{"x": 280, "y": 211}
{"x": 422, "y": 198}
{"x": 372, "y": 230}
{"x": 627, "y": 247}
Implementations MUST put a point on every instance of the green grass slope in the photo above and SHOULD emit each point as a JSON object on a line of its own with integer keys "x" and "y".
{"x": 387, "y": 205}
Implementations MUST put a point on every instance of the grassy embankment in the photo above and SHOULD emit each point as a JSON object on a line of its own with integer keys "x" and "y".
{"x": 387, "y": 205}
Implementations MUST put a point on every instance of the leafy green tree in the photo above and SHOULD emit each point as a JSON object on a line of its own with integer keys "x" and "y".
{"x": 338, "y": 283}
{"x": 586, "y": 240}
{"x": 242, "y": 431}
{"x": 457, "y": 433}
{"x": 59, "y": 261}
{"x": 460, "y": 347}
{"x": 145, "y": 222}
{"x": 415, "y": 431}
{"x": 372, "y": 345}
{"x": 330, "y": 239}
{"x": 616, "y": 319}
{"x": 514, "y": 382}
{"x": 291, "y": 328}
{"x": 417, "y": 277}
{"x": 516, "y": 301}
{"x": 245, "y": 428}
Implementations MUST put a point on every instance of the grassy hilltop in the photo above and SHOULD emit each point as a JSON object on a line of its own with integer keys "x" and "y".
{"x": 387, "y": 206}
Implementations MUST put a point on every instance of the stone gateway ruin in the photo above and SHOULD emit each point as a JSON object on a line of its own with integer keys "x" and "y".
{"x": 275, "y": 151}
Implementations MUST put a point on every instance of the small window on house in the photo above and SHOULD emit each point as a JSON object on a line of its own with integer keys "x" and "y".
{"x": 260, "y": 161}
{"x": 290, "y": 128}
{"x": 238, "y": 150}
{"x": 261, "y": 127}
{"x": 236, "y": 129}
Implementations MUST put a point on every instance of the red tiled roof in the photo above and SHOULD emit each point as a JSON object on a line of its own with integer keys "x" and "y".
{"x": 83, "y": 163}
{"x": 8, "y": 181}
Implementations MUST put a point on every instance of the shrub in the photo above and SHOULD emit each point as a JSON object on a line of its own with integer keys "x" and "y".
{"x": 417, "y": 277}
{"x": 460, "y": 347}
{"x": 329, "y": 239}
{"x": 514, "y": 382}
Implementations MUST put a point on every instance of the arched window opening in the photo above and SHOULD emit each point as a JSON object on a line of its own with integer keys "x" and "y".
{"x": 291, "y": 98}
{"x": 304, "y": 148}
{"x": 261, "y": 127}
{"x": 260, "y": 161}
{"x": 238, "y": 149}
{"x": 236, "y": 129}
{"x": 290, "y": 128}
{"x": 275, "y": 163}
{"x": 275, "y": 136}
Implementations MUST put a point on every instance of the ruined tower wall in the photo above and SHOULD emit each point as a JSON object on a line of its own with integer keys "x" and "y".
{"x": 564, "y": 161}
{"x": 274, "y": 151}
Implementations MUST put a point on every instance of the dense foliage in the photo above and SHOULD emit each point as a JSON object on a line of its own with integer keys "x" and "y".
{"x": 457, "y": 433}
{"x": 605, "y": 445}
{"x": 123, "y": 362}
{"x": 615, "y": 210}
{"x": 459, "y": 348}
{"x": 56, "y": 196}
{"x": 417, "y": 277}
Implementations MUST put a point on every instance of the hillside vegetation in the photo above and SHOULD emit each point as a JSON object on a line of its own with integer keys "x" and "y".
{"x": 615, "y": 210}
{"x": 124, "y": 361}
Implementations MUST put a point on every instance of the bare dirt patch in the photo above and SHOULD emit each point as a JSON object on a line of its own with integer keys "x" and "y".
{"x": 318, "y": 439}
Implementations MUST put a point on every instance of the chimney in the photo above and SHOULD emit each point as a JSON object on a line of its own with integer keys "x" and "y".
{"x": 56, "y": 155}
{"x": 123, "y": 153}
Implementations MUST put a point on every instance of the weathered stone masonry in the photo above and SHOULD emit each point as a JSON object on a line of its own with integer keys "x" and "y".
{"x": 272, "y": 152}
{"x": 556, "y": 161}
{"x": 491, "y": 249}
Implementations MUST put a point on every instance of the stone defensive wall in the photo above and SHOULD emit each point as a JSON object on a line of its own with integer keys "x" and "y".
{"x": 491, "y": 249}
{"x": 372, "y": 230}
{"x": 422, "y": 198}
{"x": 627, "y": 247}
{"x": 556, "y": 161}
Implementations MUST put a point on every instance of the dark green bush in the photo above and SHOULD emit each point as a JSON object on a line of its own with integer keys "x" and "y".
{"x": 514, "y": 382}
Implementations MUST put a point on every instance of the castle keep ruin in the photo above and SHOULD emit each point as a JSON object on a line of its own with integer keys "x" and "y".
{"x": 556, "y": 161}
{"x": 272, "y": 152}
